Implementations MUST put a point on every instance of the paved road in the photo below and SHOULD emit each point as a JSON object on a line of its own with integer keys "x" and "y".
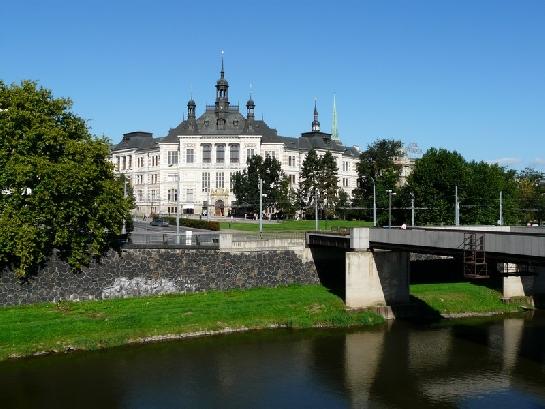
{"x": 144, "y": 233}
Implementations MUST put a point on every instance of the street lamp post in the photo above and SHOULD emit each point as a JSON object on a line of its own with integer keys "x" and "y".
{"x": 374, "y": 202}
{"x": 124, "y": 228}
{"x": 390, "y": 193}
{"x": 456, "y": 207}
{"x": 316, "y": 197}
{"x": 412, "y": 209}
{"x": 178, "y": 192}
{"x": 260, "y": 206}
{"x": 501, "y": 208}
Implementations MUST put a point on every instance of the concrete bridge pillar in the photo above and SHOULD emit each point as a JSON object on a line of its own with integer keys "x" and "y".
{"x": 522, "y": 286}
{"x": 377, "y": 278}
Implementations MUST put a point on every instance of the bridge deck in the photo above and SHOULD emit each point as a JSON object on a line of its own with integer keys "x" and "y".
{"x": 501, "y": 245}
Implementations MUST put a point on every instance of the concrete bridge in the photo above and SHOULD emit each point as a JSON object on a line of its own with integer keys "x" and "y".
{"x": 376, "y": 261}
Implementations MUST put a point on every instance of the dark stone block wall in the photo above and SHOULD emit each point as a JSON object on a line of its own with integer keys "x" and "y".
{"x": 159, "y": 271}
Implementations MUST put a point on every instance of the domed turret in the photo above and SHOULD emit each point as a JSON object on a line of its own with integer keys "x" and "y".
{"x": 191, "y": 109}
{"x": 250, "y": 105}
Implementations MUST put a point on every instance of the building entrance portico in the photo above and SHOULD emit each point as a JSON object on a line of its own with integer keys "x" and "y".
{"x": 219, "y": 208}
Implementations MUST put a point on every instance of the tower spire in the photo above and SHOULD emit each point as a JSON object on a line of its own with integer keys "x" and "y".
{"x": 334, "y": 130}
{"x": 315, "y": 123}
{"x": 222, "y": 72}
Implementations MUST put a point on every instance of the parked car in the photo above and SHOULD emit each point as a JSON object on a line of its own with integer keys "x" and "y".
{"x": 159, "y": 222}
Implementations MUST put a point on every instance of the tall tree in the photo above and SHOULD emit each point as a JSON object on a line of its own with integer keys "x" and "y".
{"x": 275, "y": 185}
{"x": 57, "y": 186}
{"x": 328, "y": 183}
{"x": 377, "y": 166}
{"x": 309, "y": 178}
{"x": 436, "y": 176}
{"x": 531, "y": 195}
{"x": 433, "y": 182}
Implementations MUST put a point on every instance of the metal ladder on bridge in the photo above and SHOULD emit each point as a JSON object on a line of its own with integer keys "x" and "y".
{"x": 475, "y": 265}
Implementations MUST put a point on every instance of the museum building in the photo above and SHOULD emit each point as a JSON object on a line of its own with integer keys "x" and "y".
{"x": 197, "y": 158}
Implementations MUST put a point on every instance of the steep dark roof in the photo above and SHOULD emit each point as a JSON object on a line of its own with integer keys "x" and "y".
{"x": 235, "y": 124}
{"x": 318, "y": 140}
{"x": 137, "y": 140}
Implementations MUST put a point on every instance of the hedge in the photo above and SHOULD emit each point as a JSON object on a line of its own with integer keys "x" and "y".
{"x": 193, "y": 223}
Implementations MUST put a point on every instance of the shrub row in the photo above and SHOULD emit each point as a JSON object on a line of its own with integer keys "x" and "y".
{"x": 194, "y": 223}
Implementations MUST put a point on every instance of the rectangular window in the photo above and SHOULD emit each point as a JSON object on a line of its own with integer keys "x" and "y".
{"x": 205, "y": 181}
{"x": 172, "y": 177}
{"x": 234, "y": 153}
{"x": 172, "y": 195}
{"x": 206, "y": 153}
{"x": 153, "y": 195}
{"x": 270, "y": 154}
{"x": 345, "y": 182}
{"x": 130, "y": 162}
{"x": 291, "y": 161}
{"x": 292, "y": 179}
{"x": 220, "y": 183}
{"x": 139, "y": 180}
{"x": 139, "y": 195}
{"x": 249, "y": 153}
{"x": 154, "y": 178}
{"x": 172, "y": 158}
{"x": 172, "y": 209}
{"x": 118, "y": 163}
{"x": 220, "y": 153}
{"x": 124, "y": 162}
{"x": 155, "y": 160}
{"x": 190, "y": 155}
{"x": 189, "y": 196}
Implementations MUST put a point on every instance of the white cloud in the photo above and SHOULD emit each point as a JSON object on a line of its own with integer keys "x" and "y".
{"x": 537, "y": 163}
{"x": 505, "y": 161}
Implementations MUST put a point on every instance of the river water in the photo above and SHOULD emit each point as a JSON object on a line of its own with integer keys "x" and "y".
{"x": 476, "y": 363}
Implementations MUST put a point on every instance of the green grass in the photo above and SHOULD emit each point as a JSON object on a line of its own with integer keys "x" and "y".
{"x": 88, "y": 325}
{"x": 459, "y": 298}
{"x": 295, "y": 225}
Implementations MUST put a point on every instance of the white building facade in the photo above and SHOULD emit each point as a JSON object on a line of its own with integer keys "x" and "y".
{"x": 192, "y": 166}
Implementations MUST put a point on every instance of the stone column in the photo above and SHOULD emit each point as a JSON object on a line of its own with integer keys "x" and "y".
{"x": 376, "y": 278}
{"x": 513, "y": 287}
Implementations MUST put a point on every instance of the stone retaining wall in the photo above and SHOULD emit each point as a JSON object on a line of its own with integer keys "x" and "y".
{"x": 136, "y": 272}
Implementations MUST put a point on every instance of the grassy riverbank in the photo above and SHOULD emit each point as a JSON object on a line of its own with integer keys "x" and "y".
{"x": 88, "y": 325}
{"x": 463, "y": 298}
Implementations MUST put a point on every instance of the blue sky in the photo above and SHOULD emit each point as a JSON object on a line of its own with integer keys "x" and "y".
{"x": 465, "y": 75}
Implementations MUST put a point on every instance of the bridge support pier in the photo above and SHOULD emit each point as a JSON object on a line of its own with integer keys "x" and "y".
{"x": 377, "y": 278}
{"x": 523, "y": 286}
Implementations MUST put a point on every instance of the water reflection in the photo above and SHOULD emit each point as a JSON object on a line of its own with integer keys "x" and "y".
{"x": 477, "y": 363}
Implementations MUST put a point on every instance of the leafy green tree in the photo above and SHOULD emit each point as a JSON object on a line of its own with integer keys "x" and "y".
{"x": 433, "y": 182}
{"x": 309, "y": 179}
{"x": 481, "y": 203}
{"x": 275, "y": 185}
{"x": 436, "y": 176}
{"x": 57, "y": 186}
{"x": 531, "y": 195}
{"x": 328, "y": 183}
{"x": 377, "y": 164}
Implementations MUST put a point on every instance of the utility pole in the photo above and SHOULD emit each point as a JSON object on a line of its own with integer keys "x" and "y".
{"x": 390, "y": 193}
{"x": 374, "y": 203}
{"x": 209, "y": 198}
{"x": 456, "y": 207}
{"x": 178, "y": 192}
{"x": 124, "y": 227}
{"x": 501, "y": 208}
{"x": 316, "y": 196}
{"x": 412, "y": 209}
{"x": 260, "y": 206}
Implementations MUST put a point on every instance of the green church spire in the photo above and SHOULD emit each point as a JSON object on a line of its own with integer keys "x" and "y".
{"x": 334, "y": 130}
